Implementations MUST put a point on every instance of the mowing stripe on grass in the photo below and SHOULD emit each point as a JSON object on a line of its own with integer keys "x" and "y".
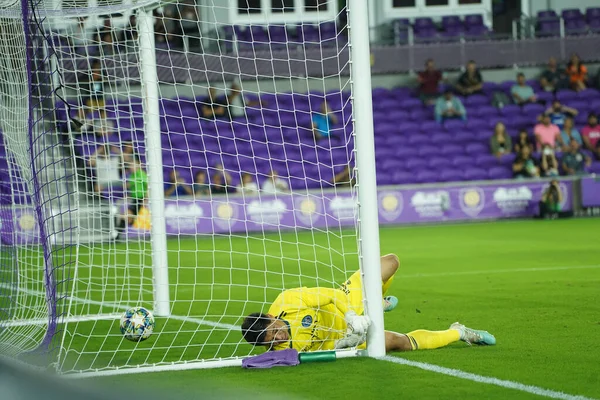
{"x": 485, "y": 379}
{"x": 499, "y": 271}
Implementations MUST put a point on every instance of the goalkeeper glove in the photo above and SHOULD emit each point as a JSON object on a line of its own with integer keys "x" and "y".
{"x": 350, "y": 340}
{"x": 357, "y": 324}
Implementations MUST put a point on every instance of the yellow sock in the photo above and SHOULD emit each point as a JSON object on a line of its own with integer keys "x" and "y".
{"x": 387, "y": 285}
{"x": 422, "y": 339}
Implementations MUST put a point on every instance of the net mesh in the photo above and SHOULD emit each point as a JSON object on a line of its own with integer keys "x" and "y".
{"x": 258, "y": 174}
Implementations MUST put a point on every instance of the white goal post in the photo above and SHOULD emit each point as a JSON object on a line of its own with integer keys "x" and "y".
{"x": 165, "y": 155}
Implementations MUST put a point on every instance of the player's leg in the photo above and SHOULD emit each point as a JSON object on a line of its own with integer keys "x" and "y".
{"x": 389, "y": 265}
{"x": 420, "y": 340}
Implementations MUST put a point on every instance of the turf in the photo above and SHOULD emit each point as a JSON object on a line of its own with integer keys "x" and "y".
{"x": 534, "y": 284}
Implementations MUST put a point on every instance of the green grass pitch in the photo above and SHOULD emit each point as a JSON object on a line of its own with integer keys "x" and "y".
{"x": 534, "y": 284}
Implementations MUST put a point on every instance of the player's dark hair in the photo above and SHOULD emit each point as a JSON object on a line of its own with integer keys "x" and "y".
{"x": 254, "y": 328}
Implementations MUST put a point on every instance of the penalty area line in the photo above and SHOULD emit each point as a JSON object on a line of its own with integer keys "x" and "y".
{"x": 456, "y": 373}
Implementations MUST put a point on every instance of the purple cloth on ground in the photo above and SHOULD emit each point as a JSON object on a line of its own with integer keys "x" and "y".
{"x": 280, "y": 358}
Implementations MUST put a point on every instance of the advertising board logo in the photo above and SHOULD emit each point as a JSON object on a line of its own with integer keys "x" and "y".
{"x": 513, "y": 200}
{"x": 472, "y": 201}
{"x": 27, "y": 222}
{"x": 431, "y": 204}
{"x": 343, "y": 207}
{"x": 266, "y": 212}
{"x": 390, "y": 205}
{"x": 224, "y": 214}
{"x": 307, "y": 210}
{"x": 182, "y": 216}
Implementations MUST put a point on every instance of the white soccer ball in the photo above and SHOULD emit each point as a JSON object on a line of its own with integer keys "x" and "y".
{"x": 137, "y": 324}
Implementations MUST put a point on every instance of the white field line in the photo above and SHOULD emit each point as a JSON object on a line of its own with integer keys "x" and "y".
{"x": 485, "y": 379}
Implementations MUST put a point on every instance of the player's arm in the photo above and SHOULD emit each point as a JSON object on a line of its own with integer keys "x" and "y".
{"x": 321, "y": 297}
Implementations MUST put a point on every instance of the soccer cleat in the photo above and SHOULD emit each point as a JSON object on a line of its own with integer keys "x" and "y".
{"x": 389, "y": 303}
{"x": 473, "y": 336}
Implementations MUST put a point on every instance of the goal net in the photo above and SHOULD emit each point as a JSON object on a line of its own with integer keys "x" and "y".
{"x": 195, "y": 159}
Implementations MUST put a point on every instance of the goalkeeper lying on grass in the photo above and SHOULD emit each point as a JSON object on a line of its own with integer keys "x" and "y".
{"x": 310, "y": 319}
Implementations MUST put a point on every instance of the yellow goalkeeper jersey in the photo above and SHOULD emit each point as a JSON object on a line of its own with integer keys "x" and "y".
{"x": 315, "y": 317}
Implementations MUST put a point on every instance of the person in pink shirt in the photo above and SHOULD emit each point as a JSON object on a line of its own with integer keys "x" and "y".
{"x": 546, "y": 133}
{"x": 591, "y": 135}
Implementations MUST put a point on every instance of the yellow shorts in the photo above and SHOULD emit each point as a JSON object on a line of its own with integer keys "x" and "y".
{"x": 353, "y": 289}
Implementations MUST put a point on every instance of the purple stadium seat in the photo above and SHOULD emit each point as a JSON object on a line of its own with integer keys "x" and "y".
{"x": 430, "y": 127}
{"x": 410, "y": 104}
{"x": 486, "y": 160}
{"x": 483, "y": 111}
{"x": 477, "y": 125}
{"x": 423, "y": 23}
{"x": 533, "y": 108}
{"x": 572, "y": 13}
{"x": 420, "y": 114}
{"x": 549, "y": 27}
{"x": 426, "y": 35}
{"x": 575, "y": 27}
{"x": 440, "y": 137}
{"x": 403, "y": 177}
{"x": 392, "y": 164}
{"x": 451, "y": 21}
{"x": 545, "y": 14}
{"x": 510, "y": 110}
{"x": 476, "y": 148}
{"x": 594, "y": 26}
{"x": 451, "y": 175}
{"x": 545, "y": 96}
{"x": 413, "y": 164}
{"x": 451, "y": 149}
{"x": 589, "y": 93}
{"x": 427, "y": 151}
{"x": 508, "y": 159}
{"x": 472, "y": 20}
{"x": 463, "y": 136}
{"x": 418, "y": 140}
{"x": 566, "y": 95}
{"x": 592, "y": 13}
{"x": 594, "y": 168}
{"x": 475, "y": 174}
{"x": 461, "y": 161}
{"x": 407, "y": 128}
{"x": 476, "y": 100}
{"x": 426, "y": 176}
{"x": 499, "y": 173}
{"x": 453, "y": 125}
{"x": 437, "y": 163}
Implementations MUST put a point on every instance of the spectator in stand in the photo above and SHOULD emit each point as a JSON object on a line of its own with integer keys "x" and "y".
{"x": 525, "y": 166}
{"x": 449, "y": 106}
{"x": 591, "y": 135}
{"x": 274, "y": 184}
{"x": 569, "y": 133}
{"x": 177, "y": 186}
{"x": 558, "y": 113}
{"x": 552, "y": 77}
{"x": 523, "y": 140}
{"x": 130, "y": 33}
{"x": 574, "y": 161}
{"x": 106, "y": 162}
{"x": 248, "y": 185}
{"x": 321, "y": 122}
{"x": 237, "y": 103}
{"x": 548, "y": 164}
{"x": 343, "y": 178}
{"x": 522, "y": 93}
{"x": 213, "y": 106}
{"x": 81, "y": 37}
{"x": 221, "y": 181}
{"x": 577, "y": 73}
{"x": 546, "y": 133}
{"x": 201, "y": 187}
{"x": 189, "y": 25}
{"x": 106, "y": 37}
{"x": 500, "y": 142}
{"x": 429, "y": 82}
{"x": 471, "y": 81}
